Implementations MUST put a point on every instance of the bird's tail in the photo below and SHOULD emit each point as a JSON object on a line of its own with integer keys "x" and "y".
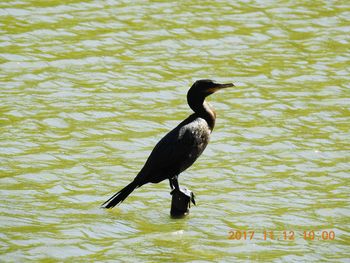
{"x": 120, "y": 196}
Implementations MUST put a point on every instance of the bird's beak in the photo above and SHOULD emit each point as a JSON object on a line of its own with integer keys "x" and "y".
{"x": 219, "y": 86}
{"x": 226, "y": 85}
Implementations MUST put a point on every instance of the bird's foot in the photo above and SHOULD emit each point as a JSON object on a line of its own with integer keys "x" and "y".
{"x": 185, "y": 192}
{"x": 192, "y": 198}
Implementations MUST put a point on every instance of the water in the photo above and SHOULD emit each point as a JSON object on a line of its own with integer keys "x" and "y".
{"x": 88, "y": 88}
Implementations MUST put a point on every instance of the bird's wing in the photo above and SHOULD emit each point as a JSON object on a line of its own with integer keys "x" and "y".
{"x": 173, "y": 149}
{"x": 173, "y": 154}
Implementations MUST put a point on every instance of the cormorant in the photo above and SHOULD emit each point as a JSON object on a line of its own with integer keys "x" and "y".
{"x": 180, "y": 148}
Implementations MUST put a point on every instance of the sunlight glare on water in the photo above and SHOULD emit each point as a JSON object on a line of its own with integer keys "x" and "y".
{"x": 89, "y": 87}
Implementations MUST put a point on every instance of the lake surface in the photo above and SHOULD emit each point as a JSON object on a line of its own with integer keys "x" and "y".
{"x": 89, "y": 87}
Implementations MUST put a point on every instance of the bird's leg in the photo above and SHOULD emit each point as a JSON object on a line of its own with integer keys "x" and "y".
{"x": 174, "y": 184}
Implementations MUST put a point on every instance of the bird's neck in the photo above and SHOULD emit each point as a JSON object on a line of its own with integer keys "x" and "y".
{"x": 203, "y": 110}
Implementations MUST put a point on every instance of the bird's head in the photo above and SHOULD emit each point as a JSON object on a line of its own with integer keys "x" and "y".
{"x": 206, "y": 87}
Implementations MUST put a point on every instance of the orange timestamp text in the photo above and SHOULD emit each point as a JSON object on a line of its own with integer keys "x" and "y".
{"x": 286, "y": 235}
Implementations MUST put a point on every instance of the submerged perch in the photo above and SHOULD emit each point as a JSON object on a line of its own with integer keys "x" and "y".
{"x": 181, "y": 202}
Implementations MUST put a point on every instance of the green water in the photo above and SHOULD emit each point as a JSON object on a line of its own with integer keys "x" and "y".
{"x": 89, "y": 87}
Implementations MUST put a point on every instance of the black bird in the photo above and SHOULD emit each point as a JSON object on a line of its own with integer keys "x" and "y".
{"x": 180, "y": 148}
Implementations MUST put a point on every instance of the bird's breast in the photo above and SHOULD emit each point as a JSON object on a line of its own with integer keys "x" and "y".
{"x": 196, "y": 133}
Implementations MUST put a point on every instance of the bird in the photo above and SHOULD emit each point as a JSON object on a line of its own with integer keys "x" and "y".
{"x": 179, "y": 148}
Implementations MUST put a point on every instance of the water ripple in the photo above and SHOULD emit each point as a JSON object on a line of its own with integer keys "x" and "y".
{"x": 88, "y": 88}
